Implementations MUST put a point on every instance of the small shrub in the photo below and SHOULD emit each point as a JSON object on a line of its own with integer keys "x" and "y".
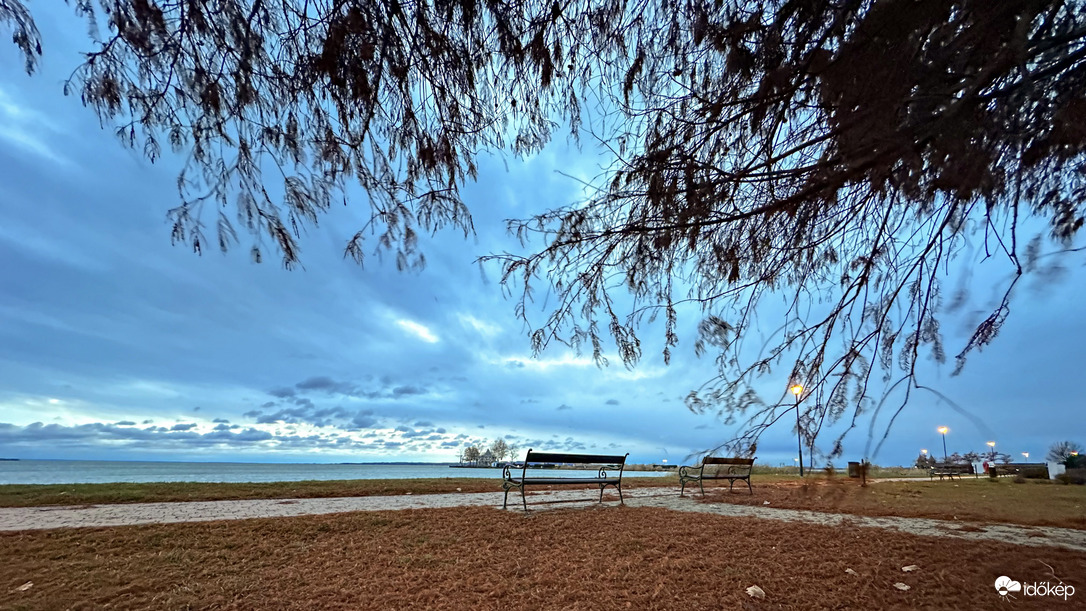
{"x": 1019, "y": 479}
{"x": 1073, "y": 476}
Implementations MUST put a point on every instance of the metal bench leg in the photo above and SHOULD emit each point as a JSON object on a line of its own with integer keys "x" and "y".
{"x": 749, "y": 489}
{"x": 505, "y": 501}
{"x": 682, "y": 486}
{"x": 701, "y": 484}
{"x": 602, "y": 486}
{"x": 620, "y": 501}
{"x": 523, "y": 498}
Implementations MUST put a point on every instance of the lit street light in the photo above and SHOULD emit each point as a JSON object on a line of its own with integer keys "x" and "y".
{"x": 991, "y": 444}
{"x": 1026, "y": 454}
{"x": 943, "y": 431}
{"x": 797, "y": 390}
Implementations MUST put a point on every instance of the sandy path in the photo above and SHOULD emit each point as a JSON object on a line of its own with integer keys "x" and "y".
{"x": 38, "y": 518}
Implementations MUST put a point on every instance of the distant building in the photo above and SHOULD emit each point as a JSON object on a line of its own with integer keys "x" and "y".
{"x": 487, "y": 459}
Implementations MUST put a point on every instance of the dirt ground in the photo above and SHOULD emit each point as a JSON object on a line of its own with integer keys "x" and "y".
{"x": 974, "y": 500}
{"x": 605, "y": 557}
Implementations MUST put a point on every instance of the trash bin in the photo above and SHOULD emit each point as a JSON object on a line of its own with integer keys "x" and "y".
{"x": 854, "y": 469}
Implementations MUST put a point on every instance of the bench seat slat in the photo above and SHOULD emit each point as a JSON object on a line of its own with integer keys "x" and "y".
{"x": 564, "y": 480}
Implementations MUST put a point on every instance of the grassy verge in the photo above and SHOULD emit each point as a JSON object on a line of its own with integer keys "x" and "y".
{"x": 482, "y": 558}
{"x": 1033, "y": 502}
{"x": 99, "y": 494}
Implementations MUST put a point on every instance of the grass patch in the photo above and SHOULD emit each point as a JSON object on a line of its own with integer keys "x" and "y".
{"x": 465, "y": 558}
{"x": 18, "y": 495}
{"x": 1035, "y": 502}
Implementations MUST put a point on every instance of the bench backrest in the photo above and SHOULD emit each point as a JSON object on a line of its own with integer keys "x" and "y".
{"x": 555, "y": 458}
{"x": 723, "y": 464}
{"x": 574, "y": 459}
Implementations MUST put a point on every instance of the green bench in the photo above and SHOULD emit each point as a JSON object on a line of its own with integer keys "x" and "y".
{"x": 604, "y": 465}
{"x": 952, "y": 470}
{"x": 717, "y": 468}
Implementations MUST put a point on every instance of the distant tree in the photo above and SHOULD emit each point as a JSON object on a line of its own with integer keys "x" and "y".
{"x": 513, "y": 451}
{"x": 972, "y": 457}
{"x": 924, "y": 461}
{"x": 472, "y": 454}
{"x": 499, "y": 448}
{"x": 1061, "y": 451}
{"x": 836, "y": 154}
{"x": 956, "y": 458}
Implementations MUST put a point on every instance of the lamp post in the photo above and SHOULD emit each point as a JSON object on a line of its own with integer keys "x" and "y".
{"x": 991, "y": 444}
{"x": 1026, "y": 455}
{"x": 797, "y": 390}
{"x": 943, "y": 431}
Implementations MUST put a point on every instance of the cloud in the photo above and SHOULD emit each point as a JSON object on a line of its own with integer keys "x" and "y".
{"x": 401, "y": 391}
{"x": 23, "y": 127}
{"x": 483, "y": 328}
{"x": 612, "y": 402}
{"x": 417, "y": 330}
{"x": 326, "y": 384}
{"x": 563, "y": 407}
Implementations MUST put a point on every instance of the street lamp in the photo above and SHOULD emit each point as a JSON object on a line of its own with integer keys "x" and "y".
{"x": 1025, "y": 454}
{"x": 943, "y": 431}
{"x": 991, "y": 444}
{"x": 797, "y": 390}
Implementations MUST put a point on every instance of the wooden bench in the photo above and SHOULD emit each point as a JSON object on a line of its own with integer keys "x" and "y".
{"x": 1037, "y": 470}
{"x": 600, "y": 462}
{"x": 951, "y": 470}
{"x": 715, "y": 467}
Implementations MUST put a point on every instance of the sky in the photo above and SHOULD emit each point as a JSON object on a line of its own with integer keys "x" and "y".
{"x": 117, "y": 345}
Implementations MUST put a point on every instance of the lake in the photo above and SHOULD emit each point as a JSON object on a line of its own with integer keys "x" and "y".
{"x": 102, "y": 471}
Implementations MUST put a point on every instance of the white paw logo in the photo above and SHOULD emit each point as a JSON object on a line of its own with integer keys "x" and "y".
{"x": 1005, "y": 584}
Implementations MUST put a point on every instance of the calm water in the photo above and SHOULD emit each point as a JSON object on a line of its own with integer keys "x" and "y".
{"x": 97, "y": 472}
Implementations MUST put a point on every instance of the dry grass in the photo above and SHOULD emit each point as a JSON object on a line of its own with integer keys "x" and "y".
{"x": 35, "y": 495}
{"x": 471, "y": 558}
{"x": 1035, "y": 503}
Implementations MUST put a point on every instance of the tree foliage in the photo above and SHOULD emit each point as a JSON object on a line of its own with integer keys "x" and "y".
{"x": 1062, "y": 451}
{"x": 837, "y": 154}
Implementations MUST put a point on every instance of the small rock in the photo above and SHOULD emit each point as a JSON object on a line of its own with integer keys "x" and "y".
{"x": 901, "y": 586}
{"x": 26, "y": 586}
{"x": 756, "y": 592}
{"x": 459, "y": 490}
{"x": 765, "y": 502}
{"x": 852, "y": 572}
{"x": 910, "y": 568}
{"x": 407, "y": 493}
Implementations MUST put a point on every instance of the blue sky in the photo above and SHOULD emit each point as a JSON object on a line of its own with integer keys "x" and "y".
{"x": 116, "y": 345}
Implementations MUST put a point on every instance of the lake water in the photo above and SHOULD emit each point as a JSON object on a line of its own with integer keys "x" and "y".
{"x": 98, "y": 472}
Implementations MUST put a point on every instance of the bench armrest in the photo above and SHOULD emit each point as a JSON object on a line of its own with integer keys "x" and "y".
{"x": 689, "y": 471}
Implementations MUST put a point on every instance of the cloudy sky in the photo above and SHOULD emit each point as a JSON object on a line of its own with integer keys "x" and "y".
{"x": 116, "y": 345}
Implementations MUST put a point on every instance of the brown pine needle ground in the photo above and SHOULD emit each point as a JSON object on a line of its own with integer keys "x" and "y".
{"x": 1032, "y": 503}
{"x": 480, "y": 558}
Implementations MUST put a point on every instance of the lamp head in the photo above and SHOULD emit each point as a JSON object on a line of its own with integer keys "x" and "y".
{"x": 943, "y": 430}
{"x": 991, "y": 444}
{"x": 923, "y": 451}
{"x": 797, "y": 389}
